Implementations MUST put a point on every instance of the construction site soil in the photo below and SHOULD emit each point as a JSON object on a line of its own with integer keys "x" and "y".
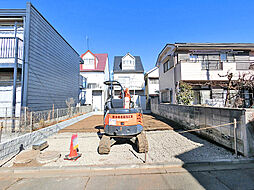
{"x": 164, "y": 142}
{"x": 95, "y": 124}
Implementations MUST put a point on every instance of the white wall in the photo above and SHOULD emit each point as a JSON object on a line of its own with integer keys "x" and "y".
{"x": 130, "y": 80}
{"x": 166, "y": 81}
{"x": 98, "y": 78}
{"x": 192, "y": 71}
{"x": 152, "y": 88}
{"x": 89, "y": 61}
{"x": 6, "y": 100}
{"x": 128, "y": 62}
{"x": 93, "y": 77}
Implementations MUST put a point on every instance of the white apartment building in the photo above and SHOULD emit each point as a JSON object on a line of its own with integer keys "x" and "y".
{"x": 94, "y": 71}
{"x": 202, "y": 65}
{"x": 151, "y": 84}
{"x": 129, "y": 71}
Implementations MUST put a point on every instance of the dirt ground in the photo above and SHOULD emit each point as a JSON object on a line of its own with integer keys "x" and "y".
{"x": 165, "y": 145}
{"x": 95, "y": 124}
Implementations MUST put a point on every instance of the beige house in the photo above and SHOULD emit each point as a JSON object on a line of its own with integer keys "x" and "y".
{"x": 203, "y": 65}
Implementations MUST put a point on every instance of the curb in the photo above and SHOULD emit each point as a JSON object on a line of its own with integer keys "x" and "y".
{"x": 127, "y": 169}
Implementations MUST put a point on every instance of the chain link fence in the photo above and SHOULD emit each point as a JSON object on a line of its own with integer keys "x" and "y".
{"x": 29, "y": 121}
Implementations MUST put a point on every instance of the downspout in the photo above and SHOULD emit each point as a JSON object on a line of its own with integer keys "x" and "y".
{"x": 26, "y": 54}
{"x": 23, "y": 65}
{"x": 14, "y": 79}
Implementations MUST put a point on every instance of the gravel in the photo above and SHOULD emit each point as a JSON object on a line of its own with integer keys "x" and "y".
{"x": 164, "y": 146}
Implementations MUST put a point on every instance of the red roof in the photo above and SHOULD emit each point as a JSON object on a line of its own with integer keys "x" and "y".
{"x": 102, "y": 60}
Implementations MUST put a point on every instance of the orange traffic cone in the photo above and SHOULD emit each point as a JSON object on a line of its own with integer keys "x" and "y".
{"x": 74, "y": 155}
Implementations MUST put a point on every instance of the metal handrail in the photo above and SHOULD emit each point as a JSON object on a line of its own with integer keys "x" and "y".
{"x": 224, "y": 61}
{"x": 3, "y": 37}
{"x": 8, "y": 48}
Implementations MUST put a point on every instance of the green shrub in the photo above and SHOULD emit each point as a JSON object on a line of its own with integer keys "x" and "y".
{"x": 185, "y": 94}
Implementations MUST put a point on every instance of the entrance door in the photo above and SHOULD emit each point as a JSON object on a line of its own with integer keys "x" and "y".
{"x": 97, "y": 100}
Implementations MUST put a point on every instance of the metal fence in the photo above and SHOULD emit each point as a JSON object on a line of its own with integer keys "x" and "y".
{"x": 11, "y": 48}
{"x": 30, "y": 121}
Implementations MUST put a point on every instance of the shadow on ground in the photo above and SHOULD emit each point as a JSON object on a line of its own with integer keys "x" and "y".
{"x": 220, "y": 179}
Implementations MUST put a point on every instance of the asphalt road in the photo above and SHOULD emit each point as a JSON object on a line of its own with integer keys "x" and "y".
{"x": 229, "y": 176}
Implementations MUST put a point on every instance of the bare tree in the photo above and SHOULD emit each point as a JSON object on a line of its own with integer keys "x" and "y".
{"x": 243, "y": 81}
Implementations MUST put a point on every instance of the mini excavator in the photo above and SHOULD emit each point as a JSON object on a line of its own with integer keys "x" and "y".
{"x": 121, "y": 121}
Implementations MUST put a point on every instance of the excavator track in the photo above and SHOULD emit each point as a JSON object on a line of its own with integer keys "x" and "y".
{"x": 142, "y": 143}
{"x": 104, "y": 145}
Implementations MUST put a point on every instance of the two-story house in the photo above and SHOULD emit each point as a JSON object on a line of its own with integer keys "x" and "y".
{"x": 129, "y": 71}
{"x": 94, "y": 71}
{"x": 151, "y": 85}
{"x": 39, "y": 69}
{"x": 204, "y": 66}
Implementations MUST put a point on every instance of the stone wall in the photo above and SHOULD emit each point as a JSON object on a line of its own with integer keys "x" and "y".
{"x": 195, "y": 117}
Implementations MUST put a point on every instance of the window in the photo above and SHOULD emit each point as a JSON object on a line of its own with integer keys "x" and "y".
{"x": 92, "y": 85}
{"x": 193, "y": 57}
{"x": 165, "y": 97}
{"x": 128, "y": 64}
{"x": 89, "y": 61}
{"x": 223, "y": 57}
{"x": 165, "y": 66}
{"x": 154, "y": 81}
{"x": 84, "y": 82}
{"x": 210, "y": 61}
{"x": 242, "y": 60}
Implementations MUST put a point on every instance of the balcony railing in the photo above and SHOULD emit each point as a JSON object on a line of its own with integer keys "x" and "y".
{"x": 93, "y": 86}
{"x": 11, "y": 48}
{"x": 211, "y": 65}
{"x": 241, "y": 64}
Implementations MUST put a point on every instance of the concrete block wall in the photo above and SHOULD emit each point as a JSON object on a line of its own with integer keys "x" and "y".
{"x": 195, "y": 117}
{"x": 12, "y": 147}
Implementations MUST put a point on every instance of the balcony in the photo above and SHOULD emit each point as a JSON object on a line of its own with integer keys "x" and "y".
{"x": 94, "y": 86}
{"x": 210, "y": 70}
{"x": 212, "y": 65}
{"x": 11, "y": 51}
{"x": 133, "y": 85}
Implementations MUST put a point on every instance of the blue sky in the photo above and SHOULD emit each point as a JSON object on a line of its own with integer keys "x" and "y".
{"x": 143, "y": 27}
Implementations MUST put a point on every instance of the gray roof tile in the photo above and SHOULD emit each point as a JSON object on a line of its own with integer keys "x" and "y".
{"x": 118, "y": 69}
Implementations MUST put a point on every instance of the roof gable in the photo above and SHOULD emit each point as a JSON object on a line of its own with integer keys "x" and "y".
{"x": 128, "y": 54}
{"x": 101, "y": 59}
{"x": 118, "y": 65}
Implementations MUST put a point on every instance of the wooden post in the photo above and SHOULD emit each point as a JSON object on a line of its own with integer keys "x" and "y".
{"x": 31, "y": 121}
{"x": 145, "y": 146}
{"x": 235, "y": 137}
{"x": 57, "y": 119}
{"x": 20, "y": 115}
{"x": 1, "y": 128}
{"x": 6, "y": 119}
{"x": 53, "y": 112}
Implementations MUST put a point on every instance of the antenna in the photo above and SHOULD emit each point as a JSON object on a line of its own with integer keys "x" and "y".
{"x": 87, "y": 42}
